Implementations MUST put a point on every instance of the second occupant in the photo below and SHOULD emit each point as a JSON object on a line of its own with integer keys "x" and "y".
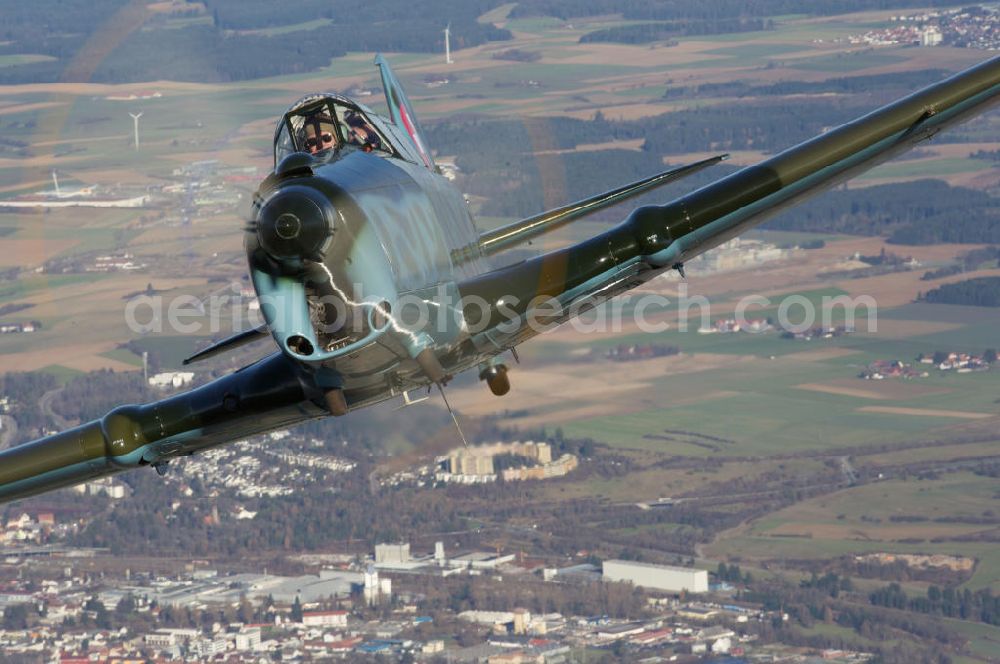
{"x": 360, "y": 132}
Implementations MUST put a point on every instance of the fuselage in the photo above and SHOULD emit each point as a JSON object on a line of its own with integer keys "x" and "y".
{"x": 384, "y": 288}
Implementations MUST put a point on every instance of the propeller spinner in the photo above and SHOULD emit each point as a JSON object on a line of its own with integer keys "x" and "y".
{"x": 296, "y": 225}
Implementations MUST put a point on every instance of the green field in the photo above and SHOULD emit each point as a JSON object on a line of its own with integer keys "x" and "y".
{"x": 861, "y": 520}
{"x": 845, "y": 62}
{"x": 62, "y": 374}
{"x": 927, "y": 168}
{"x": 538, "y": 25}
{"x": 124, "y": 355}
{"x": 757, "y": 400}
{"x": 751, "y": 51}
{"x": 984, "y": 640}
{"x": 172, "y": 350}
{"x": 25, "y": 59}
{"x": 26, "y": 287}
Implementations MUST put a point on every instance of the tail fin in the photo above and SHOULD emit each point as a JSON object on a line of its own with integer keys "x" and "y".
{"x": 400, "y": 110}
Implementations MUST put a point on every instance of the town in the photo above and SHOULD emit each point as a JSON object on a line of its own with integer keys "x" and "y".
{"x": 971, "y": 27}
{"x": 391, "y": 604}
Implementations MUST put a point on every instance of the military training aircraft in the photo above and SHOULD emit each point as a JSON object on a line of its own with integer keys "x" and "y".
{"x": 374, "y": 281}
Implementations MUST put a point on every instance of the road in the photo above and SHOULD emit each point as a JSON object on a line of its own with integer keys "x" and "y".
{"x": 45, "y": 403}
{"x": 8, "y": 432}
{"x": 849, "y": 474}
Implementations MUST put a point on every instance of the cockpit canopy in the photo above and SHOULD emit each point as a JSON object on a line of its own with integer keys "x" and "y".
{"x": 320, "y": 122}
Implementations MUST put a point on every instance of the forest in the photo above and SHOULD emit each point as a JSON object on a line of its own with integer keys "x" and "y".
{"x": 232, "y": 44}
{"x": 980, "y": 606}
{"x": 979, "y": 292}
{"x": 645, "y": 33}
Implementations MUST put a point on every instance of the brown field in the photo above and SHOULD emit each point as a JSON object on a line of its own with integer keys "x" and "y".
{"x": 585, "y": 384}
{"x": 623, "y": 111}
{"x": 979, "y": 180}
{"x": 591, "y": 411}
{"x": 85, "y": 320}
{"x": 926, "y": 412}
{"x": 22, "y": 185}
{"x": 233, "y": 155}
{"x": 81, "y": 139}
{"x": 101, "y": 89}
{"x": 961, "y": 149}
{"x": 879, "y": 389}
{"x": 82, "y": 357}
{"x": 843, "y": 391}
{"x": 637, "y": 400}
{"x": 28, "y": 108}
{"x": 38, "y": 161}
{"x": 27, "y": 252}
{"x": 635, "y": 144}
{"x": 114, "y": 176}
{"x": 736, "y": 157}
{"x": 669, "y": 58}
{"x": 539, "y": 389}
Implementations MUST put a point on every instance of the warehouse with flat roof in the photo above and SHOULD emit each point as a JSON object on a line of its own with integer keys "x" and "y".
{"x": 657, "y": 577}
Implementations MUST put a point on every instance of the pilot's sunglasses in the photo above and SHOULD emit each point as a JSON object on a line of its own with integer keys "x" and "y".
{"x": 312, "y": 142}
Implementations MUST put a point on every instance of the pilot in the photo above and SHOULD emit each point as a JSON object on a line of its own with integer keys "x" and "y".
{"x": 359, "y": 132}
{"x": 319, "y": 133}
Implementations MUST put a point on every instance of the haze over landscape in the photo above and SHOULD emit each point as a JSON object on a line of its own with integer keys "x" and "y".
{"x": 800, "y": 434}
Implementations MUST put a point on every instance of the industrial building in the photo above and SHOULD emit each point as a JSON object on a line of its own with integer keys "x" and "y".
{"x": 392, "y": 553}
{"x": 657, "y": 577}
{"x": 230, "y": 589}
{"x": 324, "y": 618}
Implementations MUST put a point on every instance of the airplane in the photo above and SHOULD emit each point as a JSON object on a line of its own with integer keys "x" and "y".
{"x": 374, "y": 280}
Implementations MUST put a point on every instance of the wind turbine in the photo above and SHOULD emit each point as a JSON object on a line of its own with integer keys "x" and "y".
{"x": 135, "y": 119}
{"x": 447, "y": 45}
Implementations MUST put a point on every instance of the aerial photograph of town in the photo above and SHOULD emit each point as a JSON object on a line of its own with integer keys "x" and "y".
{"x": 760, "y": 423}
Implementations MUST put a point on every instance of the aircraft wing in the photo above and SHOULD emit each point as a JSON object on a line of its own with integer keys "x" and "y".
{"x": 656, "y": 238}
{"x": 522, "y": 231}
{"x": 266, "y": 395}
